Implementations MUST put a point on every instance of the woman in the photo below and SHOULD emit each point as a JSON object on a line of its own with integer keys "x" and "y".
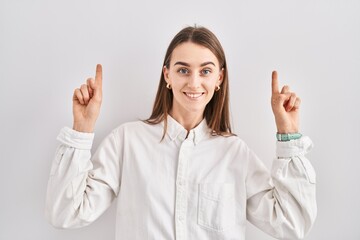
{"x": 182, "y": 173}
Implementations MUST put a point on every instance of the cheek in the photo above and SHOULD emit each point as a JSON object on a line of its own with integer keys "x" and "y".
{"x": 210, "y": 84}
{"x": 178, "y": 82}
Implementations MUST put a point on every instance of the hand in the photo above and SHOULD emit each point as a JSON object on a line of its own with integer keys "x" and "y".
{"x": 87, "y": 102}
{"x": 285, "y": 106}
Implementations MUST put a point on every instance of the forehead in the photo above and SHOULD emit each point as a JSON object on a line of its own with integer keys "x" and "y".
{"x": 193, "y": 54}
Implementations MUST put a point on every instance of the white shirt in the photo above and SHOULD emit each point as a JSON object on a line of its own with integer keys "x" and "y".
{"x": 199, "y": 187}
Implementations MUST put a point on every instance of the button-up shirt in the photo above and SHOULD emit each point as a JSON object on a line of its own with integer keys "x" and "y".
{"x": 190, "y": 185}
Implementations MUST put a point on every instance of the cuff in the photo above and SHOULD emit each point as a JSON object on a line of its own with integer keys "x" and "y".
{"x": 76, "y": 139}
{"x": 293, "y": 148}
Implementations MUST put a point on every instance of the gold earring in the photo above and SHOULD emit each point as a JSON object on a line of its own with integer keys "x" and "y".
{"x": 217, "y": 88}
{"x": 168, "y": 86}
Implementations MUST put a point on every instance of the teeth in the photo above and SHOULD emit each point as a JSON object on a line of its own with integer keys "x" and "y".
{"x": 193, "y": 95}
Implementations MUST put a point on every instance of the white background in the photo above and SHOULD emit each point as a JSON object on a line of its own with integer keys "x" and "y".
{"x": 48, "y": 48}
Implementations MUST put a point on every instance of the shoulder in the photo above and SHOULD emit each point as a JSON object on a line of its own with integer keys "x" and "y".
{"x": 131, "y": 126}
{"x": 137, "y": 128}
{"x": 230, "y": 142}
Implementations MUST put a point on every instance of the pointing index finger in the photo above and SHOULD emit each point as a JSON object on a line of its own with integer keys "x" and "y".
{"x": 98, "y": 75}
{"x": 275, "y": 83}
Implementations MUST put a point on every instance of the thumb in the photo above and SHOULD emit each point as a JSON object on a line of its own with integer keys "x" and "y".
{"x": 92, "y": 84}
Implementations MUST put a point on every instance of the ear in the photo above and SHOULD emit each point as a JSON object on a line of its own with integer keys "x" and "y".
{"x": 221, "y": 77}
{"x": 166, "y": 74}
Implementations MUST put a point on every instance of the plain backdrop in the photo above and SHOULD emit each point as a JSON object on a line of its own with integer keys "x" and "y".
{"x": 48, "y": 48}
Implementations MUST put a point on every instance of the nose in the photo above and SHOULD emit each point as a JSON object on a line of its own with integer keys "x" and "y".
{"x": 194, "y": 81}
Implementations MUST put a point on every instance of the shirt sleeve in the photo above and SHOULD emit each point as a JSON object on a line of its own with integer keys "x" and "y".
{"x": 81, "y": 187}
{"x": 283, "y": 203}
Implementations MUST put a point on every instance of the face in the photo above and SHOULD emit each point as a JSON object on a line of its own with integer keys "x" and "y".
{"x": 194, "y": 74}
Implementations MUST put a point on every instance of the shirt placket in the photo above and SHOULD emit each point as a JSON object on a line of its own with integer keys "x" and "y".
{"x": 181, "y": 190}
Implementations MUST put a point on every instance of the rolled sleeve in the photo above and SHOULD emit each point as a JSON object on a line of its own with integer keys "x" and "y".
{"x": 76, "y": 139}
{"x": 295, "y": 151}
{"x": 293, "y": 148}
{"x": 287, "y": 208}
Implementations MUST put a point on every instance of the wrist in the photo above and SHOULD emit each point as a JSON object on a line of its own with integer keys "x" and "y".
{"x": 83, "y": 128}
{"x": 287, "y": 130}
{"x": 283, "y": 126}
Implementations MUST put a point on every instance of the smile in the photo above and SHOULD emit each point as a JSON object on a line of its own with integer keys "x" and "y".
{"x": 193, "y": 95}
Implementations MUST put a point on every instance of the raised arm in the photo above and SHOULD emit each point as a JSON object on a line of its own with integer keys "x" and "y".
{"x": 81, "y": 187}
{"x": 285, "y": 105}
{"x": 87, "y": 102}
{"x": 283, "y": 203}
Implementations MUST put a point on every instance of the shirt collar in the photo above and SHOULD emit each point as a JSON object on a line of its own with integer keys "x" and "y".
{"x": 176, "y": 131}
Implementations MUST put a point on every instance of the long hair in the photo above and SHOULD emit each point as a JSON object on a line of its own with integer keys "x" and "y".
{"x": 216, "y": 112}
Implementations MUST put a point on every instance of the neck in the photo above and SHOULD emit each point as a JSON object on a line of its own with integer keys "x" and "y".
{"x": 187, "y": 120}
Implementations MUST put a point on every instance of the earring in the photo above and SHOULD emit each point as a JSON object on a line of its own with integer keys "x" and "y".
{"x": 217, "y": 88}
{"x": 168, "y": 86}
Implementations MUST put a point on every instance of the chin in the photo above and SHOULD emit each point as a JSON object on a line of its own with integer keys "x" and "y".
{"x": 198, "y": 110}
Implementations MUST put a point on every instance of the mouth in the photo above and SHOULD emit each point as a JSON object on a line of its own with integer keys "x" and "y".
{"x": 194, "y": 95}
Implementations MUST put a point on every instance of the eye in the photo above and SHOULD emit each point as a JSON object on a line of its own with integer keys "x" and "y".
{"x": 183, "y": 71}
{"x": 205, "y": 71}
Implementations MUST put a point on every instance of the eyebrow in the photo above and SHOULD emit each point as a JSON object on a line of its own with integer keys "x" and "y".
{"x": 188, "y": 65}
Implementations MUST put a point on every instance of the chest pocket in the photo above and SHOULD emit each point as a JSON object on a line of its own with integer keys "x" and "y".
{"x": 216, "y": 206}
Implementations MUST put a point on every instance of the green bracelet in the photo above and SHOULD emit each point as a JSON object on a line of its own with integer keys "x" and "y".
{"x": 283, "y": 137}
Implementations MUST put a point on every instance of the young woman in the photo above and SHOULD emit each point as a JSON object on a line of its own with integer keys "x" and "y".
{"x": 182, "y": 173}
